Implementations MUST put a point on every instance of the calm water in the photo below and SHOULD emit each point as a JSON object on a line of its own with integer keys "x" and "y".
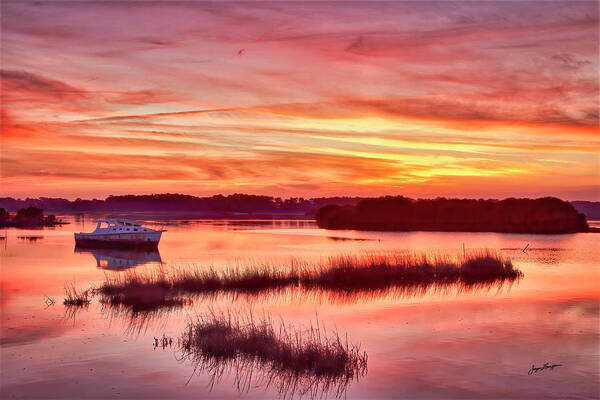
{"x": 443, "y": 344}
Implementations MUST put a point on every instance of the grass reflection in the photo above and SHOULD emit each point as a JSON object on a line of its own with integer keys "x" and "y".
{"x": 258, "y": 353}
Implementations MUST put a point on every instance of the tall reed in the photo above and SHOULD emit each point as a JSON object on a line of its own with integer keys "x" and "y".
{"x": 75, "y": 298}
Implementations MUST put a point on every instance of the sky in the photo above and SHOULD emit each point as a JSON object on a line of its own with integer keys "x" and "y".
{"x": 422, "y": 99}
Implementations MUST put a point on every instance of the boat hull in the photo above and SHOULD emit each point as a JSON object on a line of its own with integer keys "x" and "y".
{"x": 146, "y": 240}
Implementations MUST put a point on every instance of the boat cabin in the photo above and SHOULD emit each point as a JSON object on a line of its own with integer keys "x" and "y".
{"x": 118, "y": 225}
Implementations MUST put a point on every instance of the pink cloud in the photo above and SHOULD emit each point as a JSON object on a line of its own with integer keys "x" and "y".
{"x": 163, "y": 80}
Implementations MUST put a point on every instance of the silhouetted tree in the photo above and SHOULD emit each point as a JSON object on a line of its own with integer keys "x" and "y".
{"x": 31, "y": 213}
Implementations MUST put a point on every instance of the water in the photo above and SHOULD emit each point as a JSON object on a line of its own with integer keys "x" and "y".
{"x": 443, "y": 344}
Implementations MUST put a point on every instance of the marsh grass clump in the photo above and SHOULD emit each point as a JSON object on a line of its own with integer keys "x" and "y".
{"x": 487, "y": 266}
{"x": 257, "y": 279}
{"x": 296, "y": 360}
{"x": 373, "y": 272}
{"x": 75, "y": 298}
{"x": 134, "y": 281}
{"x": 195, "y": 280}
{"x": 139, "y": 292}
{"x": 222, "y": 336}
{"x": 146, "y": 300}
{"x": 343, "y": 273}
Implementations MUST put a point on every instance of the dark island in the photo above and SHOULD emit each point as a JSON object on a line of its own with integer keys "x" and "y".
{"x": 30, "y": 217}
{"x": 546, "y": 215}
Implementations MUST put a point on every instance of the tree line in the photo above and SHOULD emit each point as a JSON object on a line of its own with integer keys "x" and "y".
{"x": 397, "y": 213}
{"x": 238, "y": 202}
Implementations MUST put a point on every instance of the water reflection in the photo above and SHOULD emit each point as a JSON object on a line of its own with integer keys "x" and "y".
{"x": 389, "y": 294}
{"x": 252, "y": 373}
{"x": 399, "y": 293}
{"x": 541, "y": 255}
{"x": 237, "y": 224}
{"x": 138, "y": 322}
{"x": 346, "y": 239}
{"x": 119, "y": 259}
{"x": 30, "y": 238}
{"x": 416, "y": 346}
{"x": 72, "y": 311}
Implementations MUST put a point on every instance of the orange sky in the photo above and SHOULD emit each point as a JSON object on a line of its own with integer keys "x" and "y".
{"x": 422, "y": 99}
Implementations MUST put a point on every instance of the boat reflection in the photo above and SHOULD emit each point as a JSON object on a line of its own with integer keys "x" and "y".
{"x": 120, "y": 259}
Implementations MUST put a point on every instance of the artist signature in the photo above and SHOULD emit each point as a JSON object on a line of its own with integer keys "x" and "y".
{"x": 535, "y": 369}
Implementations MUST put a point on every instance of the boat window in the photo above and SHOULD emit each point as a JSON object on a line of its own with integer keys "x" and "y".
{"x": 135, "y": 229}
{"x": 120, "y": 229}
{"x": 127, "y": 229}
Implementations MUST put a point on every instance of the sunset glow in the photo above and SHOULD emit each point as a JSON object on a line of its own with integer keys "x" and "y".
{"x": 482, "y": 100}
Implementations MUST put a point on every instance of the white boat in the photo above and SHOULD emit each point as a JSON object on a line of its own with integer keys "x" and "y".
{"x": 119, "y": 233}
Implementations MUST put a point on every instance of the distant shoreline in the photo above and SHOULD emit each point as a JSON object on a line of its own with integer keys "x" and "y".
{"x": 390, "y": 213}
